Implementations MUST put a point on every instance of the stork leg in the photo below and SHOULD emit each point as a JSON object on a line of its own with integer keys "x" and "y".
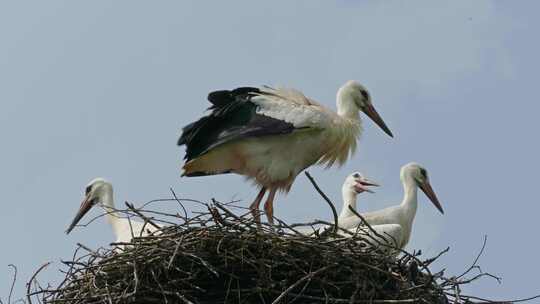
{"x": 269, "y": 206}
{"x": 254, "y": 207}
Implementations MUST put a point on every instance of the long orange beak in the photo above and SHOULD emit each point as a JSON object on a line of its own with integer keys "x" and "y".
{"x": 428, "y": 191}
{"x": 372, "y": 113}
{"x": 85, "y": 206}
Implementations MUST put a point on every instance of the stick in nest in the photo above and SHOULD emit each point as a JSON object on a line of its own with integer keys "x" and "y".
{"x": 325, "y": 197}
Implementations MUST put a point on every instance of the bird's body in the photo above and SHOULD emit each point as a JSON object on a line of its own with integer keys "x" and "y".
{"x": 400, "y": 216}
{"x": 384, "y": 234}
{"x": 126, "y": 229}
{"x": 100, "y": 192}
{"x": 271, "y": 135}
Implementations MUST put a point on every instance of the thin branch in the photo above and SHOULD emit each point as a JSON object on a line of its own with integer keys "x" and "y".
{"x": 293, "y": 286}
{"x": 366, "y": 223}
{"x": 145, "y": 218}
{"x": 29, "y": 284}
{"x": 13, "y": 282}
{"x": 179, "y": 202}
{"x": 475, "y": 260}
{"x": 334, "y": 212}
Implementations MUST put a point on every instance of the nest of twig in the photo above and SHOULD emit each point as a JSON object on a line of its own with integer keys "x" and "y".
{"x": 220, "y": 257}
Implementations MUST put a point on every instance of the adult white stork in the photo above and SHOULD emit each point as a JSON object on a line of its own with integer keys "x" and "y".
{"x": 270, "y": 135}
{"x": 397, "y": 221}
{"x": 99, "y": 191}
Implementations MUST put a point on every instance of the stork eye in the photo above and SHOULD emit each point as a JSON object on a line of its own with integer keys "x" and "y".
{"x": 88, "y": 189}
{"x": 356, "y": 175}
{"x": 365, "y": 94}
{"x": 423, "y": 172}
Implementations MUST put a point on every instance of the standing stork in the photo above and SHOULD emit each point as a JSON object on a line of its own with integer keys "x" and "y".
{"x": 397, "y": 221}
{"x": 270, "y": 135}
{"x": 99, "y": 191}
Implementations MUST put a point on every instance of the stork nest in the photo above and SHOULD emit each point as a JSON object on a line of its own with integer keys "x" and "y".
{"x": 217, "y": 256}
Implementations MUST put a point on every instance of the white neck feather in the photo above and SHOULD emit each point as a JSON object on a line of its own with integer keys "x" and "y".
{"x": 346, "y": 106}
{"x": 349, "y": 199}
{"x": 107, "y": 203}
{"x": 346, "y": 129}
{"x": 410, "y": 199}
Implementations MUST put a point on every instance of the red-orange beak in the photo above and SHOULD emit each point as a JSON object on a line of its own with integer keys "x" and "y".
{"x": 363, "y": 184}
{"x": 86, "y": 205}
{"x": 372, "y": 113}
{"x": 428, "y": 191}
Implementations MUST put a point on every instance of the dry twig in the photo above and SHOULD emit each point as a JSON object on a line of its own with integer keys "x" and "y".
{"x": 325, "y": 197}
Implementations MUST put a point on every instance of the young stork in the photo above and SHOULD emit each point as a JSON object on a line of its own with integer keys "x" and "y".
{"x": 270, "y": 135}
{"x": 99, "y": 191}
{"x": 354, "y": 184}
{"x": 396, "y": 221}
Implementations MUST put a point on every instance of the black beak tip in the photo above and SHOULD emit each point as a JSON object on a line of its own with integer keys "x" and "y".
{"x": 70, "y": 228}
{"x": 388, "y": 132}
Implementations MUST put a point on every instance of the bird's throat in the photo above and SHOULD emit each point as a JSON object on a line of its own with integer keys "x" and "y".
{"x": 410, "y": 200}
{"x": 349, "y": 199}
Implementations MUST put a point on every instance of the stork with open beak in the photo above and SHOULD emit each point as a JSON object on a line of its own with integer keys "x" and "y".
{"x": 413, "y": 176}
{"x": 270, "y": 135}
{"x": 354, "y": 184}
{"x": 100, "y": 192}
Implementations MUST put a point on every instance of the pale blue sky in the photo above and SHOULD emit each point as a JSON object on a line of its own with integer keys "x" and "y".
{"x": 102, "y": 88}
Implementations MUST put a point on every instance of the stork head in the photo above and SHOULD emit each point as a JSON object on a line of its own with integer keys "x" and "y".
{"x": 353, "y": 96}
{"x": 93, "y": 194}
{"x": 356, "y": 183}
{"x": 418, "y": 174}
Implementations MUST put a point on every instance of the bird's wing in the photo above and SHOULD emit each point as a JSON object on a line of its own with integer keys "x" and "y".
{"x": 385, "y": 234}
{"x": 292, "y": 106}
{"x": 378, "y": 217}
{"x": 392, "y": 234}
{"x": 249, "y": 112}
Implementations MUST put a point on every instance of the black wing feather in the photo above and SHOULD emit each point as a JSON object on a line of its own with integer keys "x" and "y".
{"x": 233, "y": 117}
{"x": 224, "y": 97}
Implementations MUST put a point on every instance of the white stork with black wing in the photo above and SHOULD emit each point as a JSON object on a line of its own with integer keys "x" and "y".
{"x": 271, "y": 135}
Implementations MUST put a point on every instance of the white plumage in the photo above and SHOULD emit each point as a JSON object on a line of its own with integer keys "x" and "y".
{"x": 353, "y": 185}
{"x": 99, "y": 191}
{"x": 270, "y": 135}
{"x": 292, "y": 106}
{"x": 400, "y": 217}
{"x": 384, "y": 234}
